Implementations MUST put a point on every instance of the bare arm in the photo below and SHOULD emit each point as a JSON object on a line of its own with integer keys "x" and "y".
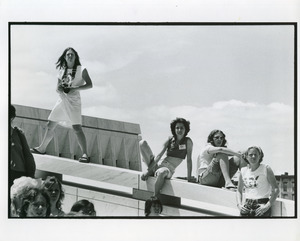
{"x": 239, "y": 195}
{"x": 275, "y": 191}
{"x": 88, "y": 82}
{"x": 158, "y": 157}
{"x": 239, "y": 192}
{"x": 224, "y": 150}
{"x": 189, "y": 159}
{"x": 59, "y": 88}
{"x": 272, "y": 181}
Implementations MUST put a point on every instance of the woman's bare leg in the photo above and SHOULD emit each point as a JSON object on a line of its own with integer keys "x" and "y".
{"x": 147, "y": 157}
{"x": 224, "y": 165}
{"x": 81, "y": 138}
{"x": 160, "y": 180}
{"x": 47, "y": 137}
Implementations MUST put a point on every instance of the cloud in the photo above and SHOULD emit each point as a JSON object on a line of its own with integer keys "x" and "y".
{"x": 100, "y": 95}
{"x": 244, "y": 123}
{"x": 232, "y": 103}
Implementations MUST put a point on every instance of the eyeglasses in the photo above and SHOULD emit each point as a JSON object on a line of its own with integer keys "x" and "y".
{"x": 252, "y": 155}
{"x": 218, "y": 137}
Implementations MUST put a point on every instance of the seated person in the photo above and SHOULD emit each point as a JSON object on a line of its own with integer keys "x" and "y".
{"x": 178, "y": 147}
{"x": 214, "y": 167}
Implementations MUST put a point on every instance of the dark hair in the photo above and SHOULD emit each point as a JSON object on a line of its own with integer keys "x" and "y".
{"x": 210, "y": 138}
{"x": 85, "y": 206}
{"x": 259, "y": 151}
{"x": 149, "y": 203}
{"x": 29, "y": 197}
{"x": 62, "y": 63}
{"x": 12, "y": 112}
{"x": 48, "y": 183}
{"x": 180, "y": 120}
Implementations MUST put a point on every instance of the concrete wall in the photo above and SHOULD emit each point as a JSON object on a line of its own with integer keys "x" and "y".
{"x": 109, "y": 142}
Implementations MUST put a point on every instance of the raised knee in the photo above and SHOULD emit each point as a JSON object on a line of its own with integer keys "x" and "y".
{"x": 222, "y": 156}
{"x": 143, "y": 143}
{"x": 162, "y": 173}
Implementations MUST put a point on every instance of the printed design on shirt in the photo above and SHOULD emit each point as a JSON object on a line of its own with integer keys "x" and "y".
{"x": 251, "y": 182}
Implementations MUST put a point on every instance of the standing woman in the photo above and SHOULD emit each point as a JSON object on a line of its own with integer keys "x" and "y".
{"x": 257, "y": 183}
{"x": 72, "y": 77}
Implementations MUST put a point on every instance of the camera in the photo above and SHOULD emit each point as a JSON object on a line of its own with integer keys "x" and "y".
{"x": 67, "y": 83}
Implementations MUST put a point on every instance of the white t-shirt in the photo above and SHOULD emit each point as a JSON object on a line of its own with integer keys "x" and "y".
{"x": 256, "y": 183}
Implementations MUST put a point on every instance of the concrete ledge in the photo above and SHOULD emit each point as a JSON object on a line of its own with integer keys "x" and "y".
{"x": 176, "y": 193}
{"x": 96, "y": 172}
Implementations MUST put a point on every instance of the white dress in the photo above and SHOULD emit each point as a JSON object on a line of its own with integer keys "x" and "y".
{"x": 67, "y": 110}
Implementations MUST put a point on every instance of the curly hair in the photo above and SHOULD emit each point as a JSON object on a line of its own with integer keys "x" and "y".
{"x": 48, "y": 183}
{"x": 259, "y": 150}
{"x": 180, "y": 120}
{"x": 210, "y": 138}
{"x": 62, "y": 63}
{"x": 149, "y": 203}
{"x": 29, "y": 197}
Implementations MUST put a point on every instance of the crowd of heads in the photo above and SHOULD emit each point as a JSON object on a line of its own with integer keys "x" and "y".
{"x": 30, "y": 197}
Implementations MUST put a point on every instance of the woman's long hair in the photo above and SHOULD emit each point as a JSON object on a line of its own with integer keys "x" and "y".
{"x": 184, "y": 122}
{"x": 210, "y": 138}
{"x": 62, "y": 63}
{"x": 49, "y": 182}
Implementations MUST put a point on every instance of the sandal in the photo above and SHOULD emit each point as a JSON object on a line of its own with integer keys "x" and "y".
{"x": 230, "y": 187}
{"x": 84, "y": 159}
{"x": 36, "y": 151}
{"x": 145, "y": 176}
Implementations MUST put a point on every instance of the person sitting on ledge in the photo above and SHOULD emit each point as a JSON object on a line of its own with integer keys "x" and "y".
{"x": 178, "y": 147}
{"x": 214, "y": 168}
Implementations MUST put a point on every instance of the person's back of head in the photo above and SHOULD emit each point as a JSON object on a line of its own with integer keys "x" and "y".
{"x": 84, "y": 207}
{"x": 155, "y": 205}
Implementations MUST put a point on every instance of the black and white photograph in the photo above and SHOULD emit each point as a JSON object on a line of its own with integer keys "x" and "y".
{"x": 150, "y": 122}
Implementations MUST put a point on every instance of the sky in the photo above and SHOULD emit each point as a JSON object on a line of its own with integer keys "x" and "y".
{"x": 237, "y": 78}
